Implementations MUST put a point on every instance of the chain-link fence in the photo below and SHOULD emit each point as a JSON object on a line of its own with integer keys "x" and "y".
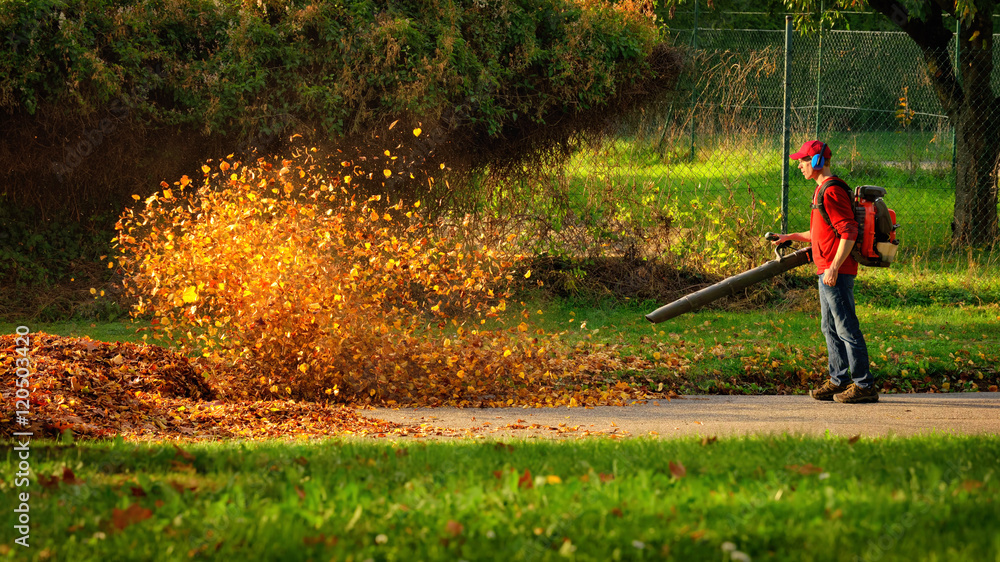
{"x": 717, "y": 145}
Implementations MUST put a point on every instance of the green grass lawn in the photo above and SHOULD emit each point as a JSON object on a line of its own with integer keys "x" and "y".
{"x": 123, "y": 330}
{"x": 775, "y": 498}
{"x": 914, "y": 167}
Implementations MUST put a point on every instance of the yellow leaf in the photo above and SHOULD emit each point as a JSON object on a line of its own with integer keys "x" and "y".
{"x": 553, "y": 479}
{"x": 506, "y": 353}
{"x": 528, "y": 274}
{"x": 347, "y": 179}
{"x": 190, "y": 294}
{"x": 416, "y": 132}
{"x": 387, "y": 173}
{"x": 304, "y": 367}
{"x": 167, "y": 194}
{"x": 205, "y": 169}
{"x": 93, "y": 291}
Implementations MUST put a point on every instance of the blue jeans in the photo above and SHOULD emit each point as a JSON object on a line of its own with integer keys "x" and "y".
{"x": 844, "y": 341}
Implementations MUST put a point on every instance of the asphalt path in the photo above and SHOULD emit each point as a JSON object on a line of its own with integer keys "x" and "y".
{"x": 707, "y": 416}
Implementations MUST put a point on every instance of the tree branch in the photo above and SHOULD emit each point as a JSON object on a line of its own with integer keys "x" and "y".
{"x": 932, "y": 37}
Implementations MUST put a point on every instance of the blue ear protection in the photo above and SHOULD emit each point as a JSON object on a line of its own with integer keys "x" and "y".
{"x": 819, "y": 160}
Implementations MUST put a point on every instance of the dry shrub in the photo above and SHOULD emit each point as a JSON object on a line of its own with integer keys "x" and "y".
{"x": 304, "y": 288}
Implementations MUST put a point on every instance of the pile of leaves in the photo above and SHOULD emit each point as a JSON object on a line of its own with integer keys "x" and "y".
{"x": 99, "y": 389}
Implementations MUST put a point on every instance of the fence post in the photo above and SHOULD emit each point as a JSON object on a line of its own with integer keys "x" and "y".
{"x": 694, "y": 107}
{"x": 819, "y": 68}
{"x": 785, "y": 125}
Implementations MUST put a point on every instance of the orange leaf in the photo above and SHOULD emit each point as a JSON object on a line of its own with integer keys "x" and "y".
{"x": 454, "y": 528}
{"x": 525, "y": 480}
{"x": 184, "y": 454}
{"x": 70, "y": 478}
{"x": 806, "y": 469}
{"x": 135, "y": 513}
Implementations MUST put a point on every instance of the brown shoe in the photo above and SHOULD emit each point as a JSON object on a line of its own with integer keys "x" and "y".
{"x": 857, "y": 395}
{"x": 827, "y": 391}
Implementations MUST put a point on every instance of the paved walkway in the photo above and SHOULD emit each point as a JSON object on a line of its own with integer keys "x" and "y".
{"x": 894, "y": 414}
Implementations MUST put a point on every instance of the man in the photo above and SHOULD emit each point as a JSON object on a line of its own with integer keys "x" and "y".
{"x": 832, "y": 237}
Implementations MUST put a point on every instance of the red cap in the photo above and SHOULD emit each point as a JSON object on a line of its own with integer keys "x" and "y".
{"x": 810, "y": 149}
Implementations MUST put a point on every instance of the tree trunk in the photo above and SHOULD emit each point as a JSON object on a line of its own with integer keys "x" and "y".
{"x": 976, "y": 150}
{"x": 976, "y": 143}
{"x": 967, "y": 97}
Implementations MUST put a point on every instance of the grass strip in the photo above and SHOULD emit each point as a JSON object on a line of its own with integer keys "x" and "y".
{"x": 778, "y": 497}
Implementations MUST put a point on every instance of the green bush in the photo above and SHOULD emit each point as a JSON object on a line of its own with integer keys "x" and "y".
{"x": 231, "y": 66}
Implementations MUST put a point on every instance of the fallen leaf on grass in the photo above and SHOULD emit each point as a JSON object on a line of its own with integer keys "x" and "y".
{"x": 677, "y": 469}
{"x": 806, "y": 469}
{"x": 184, "y": 454}
{"x": 135, "y": 513}
{"x": 69, "y": 478}
{"x": 48, "y": 481}
{"x": 319, "y": 539}
{"x": 181, "y": 467}
{"x": 525, "y": 480}
{"x": 971, "y": 485}
{"x": 454, "y": 528}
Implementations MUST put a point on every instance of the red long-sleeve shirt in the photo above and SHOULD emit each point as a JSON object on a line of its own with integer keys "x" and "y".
{"x": 825, "y": 239}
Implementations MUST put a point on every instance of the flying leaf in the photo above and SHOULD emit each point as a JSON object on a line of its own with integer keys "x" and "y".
{"x": 416, "y": 132}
